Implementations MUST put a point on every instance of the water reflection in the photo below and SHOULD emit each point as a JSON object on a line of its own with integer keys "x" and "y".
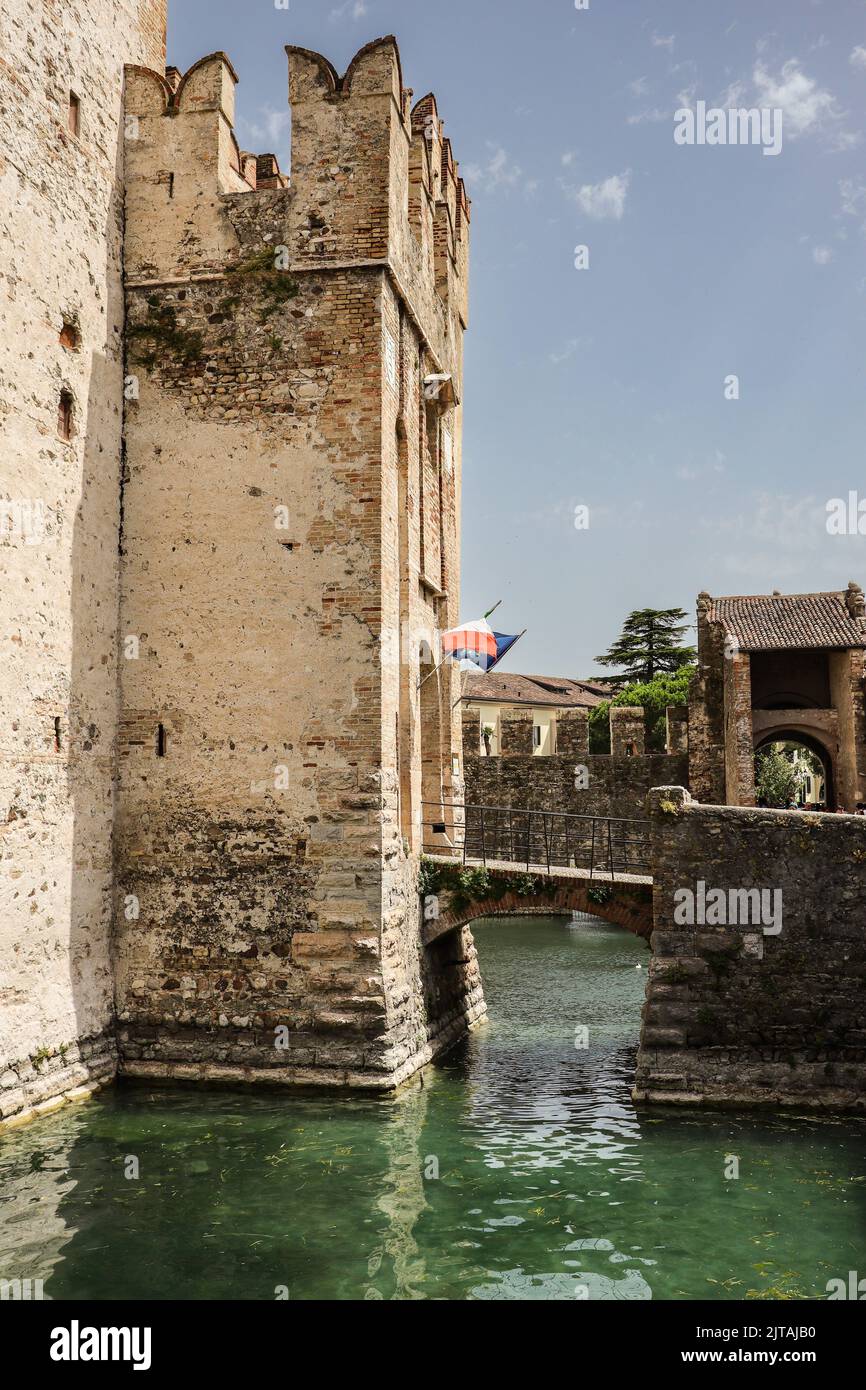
{"x": 517, "y": 1169}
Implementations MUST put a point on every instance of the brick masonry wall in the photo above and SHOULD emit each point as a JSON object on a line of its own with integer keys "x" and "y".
{"x": 270, "y": 857}
{"x": 736, "y": 1016}
{"x": 61, "y": 211}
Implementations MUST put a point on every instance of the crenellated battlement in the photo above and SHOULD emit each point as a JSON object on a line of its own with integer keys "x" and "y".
{"x": 373, "y": 180}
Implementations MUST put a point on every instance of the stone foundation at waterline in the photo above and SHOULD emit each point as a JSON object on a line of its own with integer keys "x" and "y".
{"x": 736, "y": 1014}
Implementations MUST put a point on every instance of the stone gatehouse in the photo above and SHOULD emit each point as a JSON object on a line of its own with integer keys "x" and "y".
{"x": 775, "y": 667}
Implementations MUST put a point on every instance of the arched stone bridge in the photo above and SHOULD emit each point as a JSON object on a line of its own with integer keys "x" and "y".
{"x": 623, "y": 900}
{"x": 754, "y": 989}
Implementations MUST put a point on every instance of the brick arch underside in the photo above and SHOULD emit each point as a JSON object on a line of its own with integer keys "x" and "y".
{"x": 626, "y": 908}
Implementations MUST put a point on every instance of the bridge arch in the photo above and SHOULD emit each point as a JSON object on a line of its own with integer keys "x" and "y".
{"x": 624, "y": 906}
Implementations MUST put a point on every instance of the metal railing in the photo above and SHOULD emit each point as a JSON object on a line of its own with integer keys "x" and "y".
{"x": 540, "y": 839}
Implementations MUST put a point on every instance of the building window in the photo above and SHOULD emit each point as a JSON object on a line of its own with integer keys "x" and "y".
{"x": 160, "y": 741}
{"x": 74, "y": 116}
{"x": 57, "y": 743}
{"x": 64, "y": 415}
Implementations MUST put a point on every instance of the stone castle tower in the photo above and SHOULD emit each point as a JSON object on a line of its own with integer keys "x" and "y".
{"x": 230, "y": 819}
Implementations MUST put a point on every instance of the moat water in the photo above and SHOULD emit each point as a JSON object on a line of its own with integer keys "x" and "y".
{"x": 520, "y": 1170}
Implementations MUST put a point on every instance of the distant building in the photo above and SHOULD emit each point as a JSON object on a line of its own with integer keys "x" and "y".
{"x": 779, "y": 668}
{"x": 490, "y": 699}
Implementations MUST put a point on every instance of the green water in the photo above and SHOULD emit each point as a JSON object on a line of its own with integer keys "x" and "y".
{"x": 548, "y": 1181}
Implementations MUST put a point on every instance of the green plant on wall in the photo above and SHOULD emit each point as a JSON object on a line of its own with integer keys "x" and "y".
{"x": 260, "y": 274}
{"x": 158, "y": 336}
{"x": 469, "y": 885}
{"x": 599, "y": 894}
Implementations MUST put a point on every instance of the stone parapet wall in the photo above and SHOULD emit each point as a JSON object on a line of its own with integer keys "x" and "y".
{"x": 615, "y": 786}
{"x": 737, "y": 1015}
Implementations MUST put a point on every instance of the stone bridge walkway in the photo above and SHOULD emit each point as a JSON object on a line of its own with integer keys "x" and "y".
{"x": 623, "y": 899}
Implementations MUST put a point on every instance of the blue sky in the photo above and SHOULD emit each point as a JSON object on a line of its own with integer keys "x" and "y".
{"x": 605, "y": 387}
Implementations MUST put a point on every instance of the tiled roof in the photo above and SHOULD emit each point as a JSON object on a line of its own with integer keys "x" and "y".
{"x": 773, "y": 622}
{"x": 507, "y": 688}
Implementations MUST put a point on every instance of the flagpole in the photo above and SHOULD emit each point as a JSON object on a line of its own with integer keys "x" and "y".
{"x": 433, "y": 672}
{"x": 496, "y": 663}
{"x": 446, "y": 658}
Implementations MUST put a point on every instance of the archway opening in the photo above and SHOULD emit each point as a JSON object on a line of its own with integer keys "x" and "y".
{"x": 793, "y": 772}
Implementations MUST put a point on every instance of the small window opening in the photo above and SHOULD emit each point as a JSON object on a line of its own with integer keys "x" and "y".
{"x": 57, "y": 733}
{"x": 69, "y": 335}
{"x": 64, "y": 415}
{"x": 74, "y": 117}
{"x": 160, "y": 740}
{"x": 171, "y": 185}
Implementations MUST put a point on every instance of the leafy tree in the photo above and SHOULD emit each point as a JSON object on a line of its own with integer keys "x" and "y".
{"x": 776, "y": 778}
{"x": 654, "y": 696}
{"x": 649, "y": 645}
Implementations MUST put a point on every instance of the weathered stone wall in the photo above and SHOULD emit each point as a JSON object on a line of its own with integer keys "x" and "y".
{"x": 627, "y": 731}
{"x": 739, "y": 742}
{"x": 847, "y": 697}
{"x": 615, "y": 786}
{"x": 290, "y": 540}
{"x": 734, "y": 1015}
{"x": 677, "y": 729}
{"x": 598, "y": 785}
{"x": 706, "y": 779}
{"x": 60, "y": 228}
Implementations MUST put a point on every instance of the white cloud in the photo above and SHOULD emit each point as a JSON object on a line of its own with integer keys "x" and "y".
{"x": 805, "y": 105}
{"x": 844, "y": 140}
{"x": 822, "y": 255}
{"x": 639, "y": 87}
{"x": 352, "y": 9}
{"x": 659, "y": 42}
{"x": 732, "y": 95}
{"x": 498, "y": 173}
{"x": 853, "y": 195}
{"x": 857, "y": 57}
{"x": 567, "y": 158}
{"x": 715, "y": 464}
{"x": 269, "y": 131}
{"x": 777, "y": 531}
{"x": 571, "y": 347}
{"x": 603, "y": 200}
{"x": 652, "y": 114}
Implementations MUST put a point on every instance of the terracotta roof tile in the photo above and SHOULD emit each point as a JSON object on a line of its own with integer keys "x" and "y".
{"x": 509, "y": 688}
{"x": 773, "y": 622}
